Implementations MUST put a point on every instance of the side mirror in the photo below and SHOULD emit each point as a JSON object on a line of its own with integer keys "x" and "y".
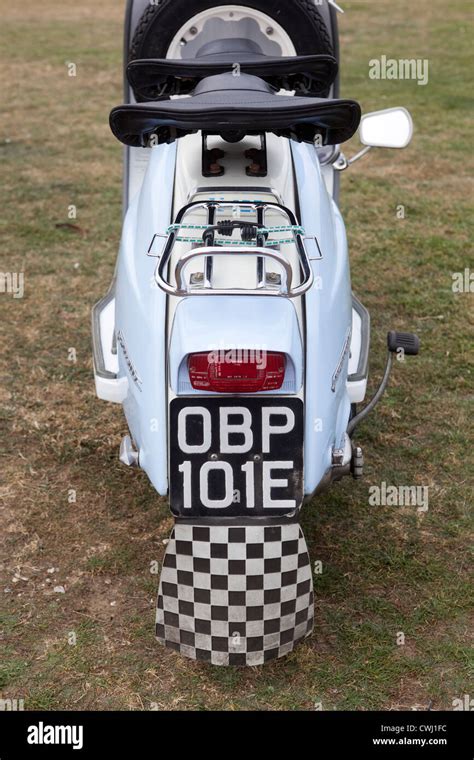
{"x": 392, "y": 128}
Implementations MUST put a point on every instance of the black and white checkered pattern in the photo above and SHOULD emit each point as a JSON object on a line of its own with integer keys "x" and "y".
{"x": 235, "y": 595}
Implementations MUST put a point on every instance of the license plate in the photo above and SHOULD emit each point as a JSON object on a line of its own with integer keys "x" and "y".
{"x": 236, "y": 457}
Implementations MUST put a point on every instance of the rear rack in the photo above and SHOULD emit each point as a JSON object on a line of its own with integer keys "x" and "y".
{"x": 264, "y": 249}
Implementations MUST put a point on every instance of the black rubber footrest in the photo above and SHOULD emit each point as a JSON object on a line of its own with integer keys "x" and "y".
{"x": 408, "y": 342}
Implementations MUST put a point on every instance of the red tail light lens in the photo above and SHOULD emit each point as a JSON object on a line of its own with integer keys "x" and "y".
{"x": 237, "y": 371}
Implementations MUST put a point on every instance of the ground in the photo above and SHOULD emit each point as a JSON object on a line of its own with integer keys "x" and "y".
{"x": 386, "y": 570}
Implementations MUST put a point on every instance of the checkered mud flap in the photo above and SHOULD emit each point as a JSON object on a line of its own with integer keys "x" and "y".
{"x": 235, "y": 596}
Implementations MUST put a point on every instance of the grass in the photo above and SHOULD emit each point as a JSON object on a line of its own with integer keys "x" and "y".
{"x": 386, "y": 570}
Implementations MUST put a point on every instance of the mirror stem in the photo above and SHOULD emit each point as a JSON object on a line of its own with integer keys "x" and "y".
{"x": 358, "y": 155}
{"x": 342, "y": 162}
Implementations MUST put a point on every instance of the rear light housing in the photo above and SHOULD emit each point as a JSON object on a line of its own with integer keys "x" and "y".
{"x": 243, "y": 371}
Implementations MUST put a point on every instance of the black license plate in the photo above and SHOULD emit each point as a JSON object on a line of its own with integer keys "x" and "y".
{"x": 236, "y": 457}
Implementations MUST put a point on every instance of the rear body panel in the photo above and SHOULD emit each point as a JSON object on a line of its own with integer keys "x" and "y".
{"x": 156, "y": 333}
{"x": 141, "y": 318}
{"x": 328, "y": 321}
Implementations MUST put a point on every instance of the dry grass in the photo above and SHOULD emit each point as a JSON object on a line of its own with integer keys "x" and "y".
{"x": 385, "y": 570}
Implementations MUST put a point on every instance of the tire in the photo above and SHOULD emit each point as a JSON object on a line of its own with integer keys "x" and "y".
{"x": 159, "y": 24}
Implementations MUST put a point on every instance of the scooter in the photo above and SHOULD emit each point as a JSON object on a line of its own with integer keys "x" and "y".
{"x": 230, "y": 333}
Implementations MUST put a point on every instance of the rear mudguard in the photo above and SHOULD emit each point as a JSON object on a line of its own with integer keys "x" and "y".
{"x": 235, "y": 594}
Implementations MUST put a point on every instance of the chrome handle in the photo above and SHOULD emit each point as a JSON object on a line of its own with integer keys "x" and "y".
{"x": 186, "y": 258}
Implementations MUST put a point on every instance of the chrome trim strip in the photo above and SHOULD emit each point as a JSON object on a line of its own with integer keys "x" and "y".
{"x": 338, "y": 370}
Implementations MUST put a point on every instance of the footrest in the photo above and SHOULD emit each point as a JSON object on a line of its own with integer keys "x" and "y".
{"x": 409, "y": 343}
{"x": 235, "y": 595}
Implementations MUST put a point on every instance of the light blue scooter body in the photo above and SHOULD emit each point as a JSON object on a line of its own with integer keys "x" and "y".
{"x": 140, "y": 314}
{"x": 328, "y": 321}
{"x": 321, "y": 354}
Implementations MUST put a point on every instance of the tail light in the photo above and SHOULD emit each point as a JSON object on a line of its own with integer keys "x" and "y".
{"x": 237, "y": 372}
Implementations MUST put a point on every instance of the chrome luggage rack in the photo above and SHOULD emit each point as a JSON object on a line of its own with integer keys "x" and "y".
{"x": 255, "y": 241}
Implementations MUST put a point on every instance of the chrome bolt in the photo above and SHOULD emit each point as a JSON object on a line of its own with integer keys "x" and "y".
{"x": 193, "y": 30}
{"x": 269, "y": 30}
{"x": 214, "y": 457}
{"x": 257, "y": 458}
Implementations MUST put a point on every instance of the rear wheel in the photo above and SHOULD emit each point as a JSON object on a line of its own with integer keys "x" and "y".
{"x": 180, "y": 28}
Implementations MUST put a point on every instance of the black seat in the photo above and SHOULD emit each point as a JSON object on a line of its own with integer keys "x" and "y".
{"x": 235, "y": 106}
{"x": 155, "y": 78}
